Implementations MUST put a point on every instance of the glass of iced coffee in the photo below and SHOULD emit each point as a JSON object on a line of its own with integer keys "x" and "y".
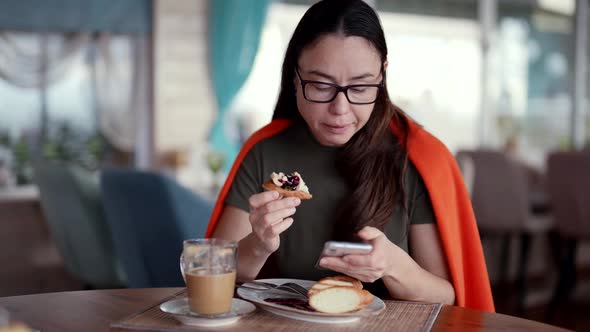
{"x": 209, "y": 270}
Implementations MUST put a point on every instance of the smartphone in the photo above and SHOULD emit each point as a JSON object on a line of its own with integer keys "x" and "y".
{"x": 339, "y": 249}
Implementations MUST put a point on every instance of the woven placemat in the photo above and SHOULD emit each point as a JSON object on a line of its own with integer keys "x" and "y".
{"x": 398, "y": 315}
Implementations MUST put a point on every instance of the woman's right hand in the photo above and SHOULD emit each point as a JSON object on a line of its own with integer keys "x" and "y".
{"x": 270, "y": 215}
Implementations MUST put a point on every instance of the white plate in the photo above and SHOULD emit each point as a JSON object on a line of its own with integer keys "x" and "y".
{"x": 258, "y": 297}
{"x": 180, "y": 310}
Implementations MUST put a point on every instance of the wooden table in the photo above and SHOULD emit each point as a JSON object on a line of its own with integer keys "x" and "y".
{"x": 95, "y": 310}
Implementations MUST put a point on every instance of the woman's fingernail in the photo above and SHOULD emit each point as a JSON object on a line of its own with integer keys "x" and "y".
{"x": 296, "y": 201}
{"x": 323, "y": 261}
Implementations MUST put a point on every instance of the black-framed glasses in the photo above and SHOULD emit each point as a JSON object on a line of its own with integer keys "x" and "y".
{"x": 324, "y": 92}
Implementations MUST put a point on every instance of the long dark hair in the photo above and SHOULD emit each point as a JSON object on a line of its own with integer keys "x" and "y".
{"x": 373, "y": 162}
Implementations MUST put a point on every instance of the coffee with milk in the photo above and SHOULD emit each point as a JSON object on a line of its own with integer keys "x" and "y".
{"x": 209, "y": 270}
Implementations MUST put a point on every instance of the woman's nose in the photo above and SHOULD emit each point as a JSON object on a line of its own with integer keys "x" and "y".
{"x": 340, "y": 104}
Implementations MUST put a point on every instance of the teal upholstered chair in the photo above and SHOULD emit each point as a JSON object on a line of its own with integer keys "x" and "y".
{"x": 150, "y": 215}
{"x": 71, "y": 203}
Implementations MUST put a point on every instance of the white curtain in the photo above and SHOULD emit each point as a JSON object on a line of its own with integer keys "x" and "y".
{"x": 118, "y": 69}
{"x": 21, "y": 55}
{"x": 121, "y": 87}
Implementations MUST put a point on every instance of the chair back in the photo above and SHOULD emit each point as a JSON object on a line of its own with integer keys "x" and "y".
{"x": 568, "y": 184}
{"x": 467, "y": 167}
{"x": 70, "y": 200}
{"x": 499, "y": 192}
{"x": 150, "y": 215}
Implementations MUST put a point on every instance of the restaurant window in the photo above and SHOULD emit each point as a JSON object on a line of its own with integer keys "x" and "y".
{"x": 88, "y": 86}
{"x": 533, "y": 80}
{"x": 42, "y": 119}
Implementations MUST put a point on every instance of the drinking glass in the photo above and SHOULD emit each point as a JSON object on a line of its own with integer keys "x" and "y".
{"x": 209, "y": 267}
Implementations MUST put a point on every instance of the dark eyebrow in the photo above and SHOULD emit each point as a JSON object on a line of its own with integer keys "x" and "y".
{"x": 333, "y": 79}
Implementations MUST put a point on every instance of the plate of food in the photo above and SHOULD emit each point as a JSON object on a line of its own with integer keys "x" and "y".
{"x": 339, "y": 299}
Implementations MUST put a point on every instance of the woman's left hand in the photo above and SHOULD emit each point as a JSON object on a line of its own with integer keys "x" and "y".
{"x": 369, "y": 267}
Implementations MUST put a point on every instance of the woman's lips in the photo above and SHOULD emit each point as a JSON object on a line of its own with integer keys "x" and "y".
{"x": 336, "y": 129}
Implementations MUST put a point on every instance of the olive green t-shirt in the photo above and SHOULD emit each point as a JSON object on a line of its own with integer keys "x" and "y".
{"x": 295, "y": 149}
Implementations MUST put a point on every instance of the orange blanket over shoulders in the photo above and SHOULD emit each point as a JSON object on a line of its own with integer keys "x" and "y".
{"x": 450, "y": 201}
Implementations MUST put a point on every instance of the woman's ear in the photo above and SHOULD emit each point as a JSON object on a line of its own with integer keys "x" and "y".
{"x": 385, "y": 63}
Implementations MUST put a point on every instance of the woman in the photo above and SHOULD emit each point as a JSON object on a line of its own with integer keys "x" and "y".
{"x": 338, "y": 136}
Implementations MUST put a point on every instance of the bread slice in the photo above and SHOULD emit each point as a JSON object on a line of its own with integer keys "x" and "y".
{"x": 335, "y": 281}
{"x": 269, "y": 185}
{"x": 317, "y": 287}
{"x": 340, "y": 299}
{"x": 342, "y": 281}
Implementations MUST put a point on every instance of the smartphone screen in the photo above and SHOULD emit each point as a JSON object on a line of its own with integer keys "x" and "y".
{"x": 339, "y": 249}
